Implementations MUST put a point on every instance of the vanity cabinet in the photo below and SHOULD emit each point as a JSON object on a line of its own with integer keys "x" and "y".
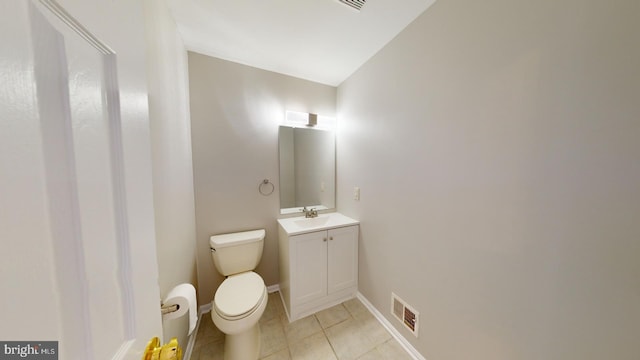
{"x": 318, "y": 269}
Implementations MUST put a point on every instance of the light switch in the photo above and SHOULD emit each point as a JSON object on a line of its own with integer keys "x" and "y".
{"x": 356, "y": 193}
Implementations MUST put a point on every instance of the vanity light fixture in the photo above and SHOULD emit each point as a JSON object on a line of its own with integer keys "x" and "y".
{"x": 302, "y": 119}
{"x": 313, "y": 120}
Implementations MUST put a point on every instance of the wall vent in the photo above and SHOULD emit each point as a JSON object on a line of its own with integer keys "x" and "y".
{"x": 356, "y": 4}
{"x": 407, "y": 315}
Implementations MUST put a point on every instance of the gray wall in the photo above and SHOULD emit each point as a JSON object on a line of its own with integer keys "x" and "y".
{"x": 171, "y": 157}
{"x": 496, "y": 145}
{"x": 235, "y": 113}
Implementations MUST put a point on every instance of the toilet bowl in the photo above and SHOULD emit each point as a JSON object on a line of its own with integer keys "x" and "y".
{"x": 237, "y": 307}
{"x": 241, "y": 299}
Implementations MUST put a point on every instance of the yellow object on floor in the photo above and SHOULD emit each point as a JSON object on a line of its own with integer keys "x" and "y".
{"x": 169, "y": 351}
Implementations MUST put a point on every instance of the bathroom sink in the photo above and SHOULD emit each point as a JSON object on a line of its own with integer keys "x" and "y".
{"x": 300, "y": 224}
{"x": 308, "y": 223}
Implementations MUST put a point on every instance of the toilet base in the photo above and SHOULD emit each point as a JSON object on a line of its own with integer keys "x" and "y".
{"x": 243, "y": 346}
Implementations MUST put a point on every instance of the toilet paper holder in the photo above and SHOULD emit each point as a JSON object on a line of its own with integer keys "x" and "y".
{"x": 167, "y": 309}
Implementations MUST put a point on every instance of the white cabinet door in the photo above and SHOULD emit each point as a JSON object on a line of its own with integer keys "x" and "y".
{"x": 342, "y": 258}
{"x": 309, "y": 267}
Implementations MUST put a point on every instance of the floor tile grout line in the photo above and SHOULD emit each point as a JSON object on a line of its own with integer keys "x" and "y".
{"x": 327, "y": 338}
{"x": 352, "y": 310}
{"x": 330, "y": 344}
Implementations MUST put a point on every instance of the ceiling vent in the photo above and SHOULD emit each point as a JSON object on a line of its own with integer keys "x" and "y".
{"x": 405, "y": 314}
{"x": 356, "y": 4}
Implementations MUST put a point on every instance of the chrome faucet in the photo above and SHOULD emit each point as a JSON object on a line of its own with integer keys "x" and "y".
{"x": 310, "y": 213}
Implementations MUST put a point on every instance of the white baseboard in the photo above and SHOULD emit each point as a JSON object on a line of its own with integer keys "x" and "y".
{"x": 391, "y": 329}
{"x": 273, "y": 288}
{"x": 202, "y": 310}
{"x": 192, "y": 341}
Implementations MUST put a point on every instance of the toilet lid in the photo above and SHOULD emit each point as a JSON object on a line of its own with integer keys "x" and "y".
{"x": 239, "y": 294}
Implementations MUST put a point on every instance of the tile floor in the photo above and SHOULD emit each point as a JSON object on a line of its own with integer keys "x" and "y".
{"x": 345, "y": 331}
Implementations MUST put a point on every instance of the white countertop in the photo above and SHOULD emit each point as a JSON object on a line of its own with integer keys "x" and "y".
{"x": 301, "y": 225}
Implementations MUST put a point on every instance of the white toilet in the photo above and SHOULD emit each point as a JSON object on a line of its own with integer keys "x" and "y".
{"x": 242, "y": 297}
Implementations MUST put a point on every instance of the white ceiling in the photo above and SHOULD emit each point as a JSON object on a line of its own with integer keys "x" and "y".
{"x": 319, "y": 40}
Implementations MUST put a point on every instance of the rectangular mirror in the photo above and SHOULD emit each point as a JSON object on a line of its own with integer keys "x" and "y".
{"x": 307, "y": 168}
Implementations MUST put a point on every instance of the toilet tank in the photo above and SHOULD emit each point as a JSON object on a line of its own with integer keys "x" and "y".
{"x": 237, "y": 252}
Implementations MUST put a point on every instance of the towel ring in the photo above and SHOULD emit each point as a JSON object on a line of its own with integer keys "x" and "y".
{"x": 265, "y": 184}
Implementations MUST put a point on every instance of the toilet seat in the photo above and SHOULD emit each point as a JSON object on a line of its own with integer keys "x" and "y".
{"x": 239, "y": 295}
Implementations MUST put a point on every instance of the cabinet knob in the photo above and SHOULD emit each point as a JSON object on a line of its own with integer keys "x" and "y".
{"x": 324, "y": 239}
{"x": 331, "y": 238}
